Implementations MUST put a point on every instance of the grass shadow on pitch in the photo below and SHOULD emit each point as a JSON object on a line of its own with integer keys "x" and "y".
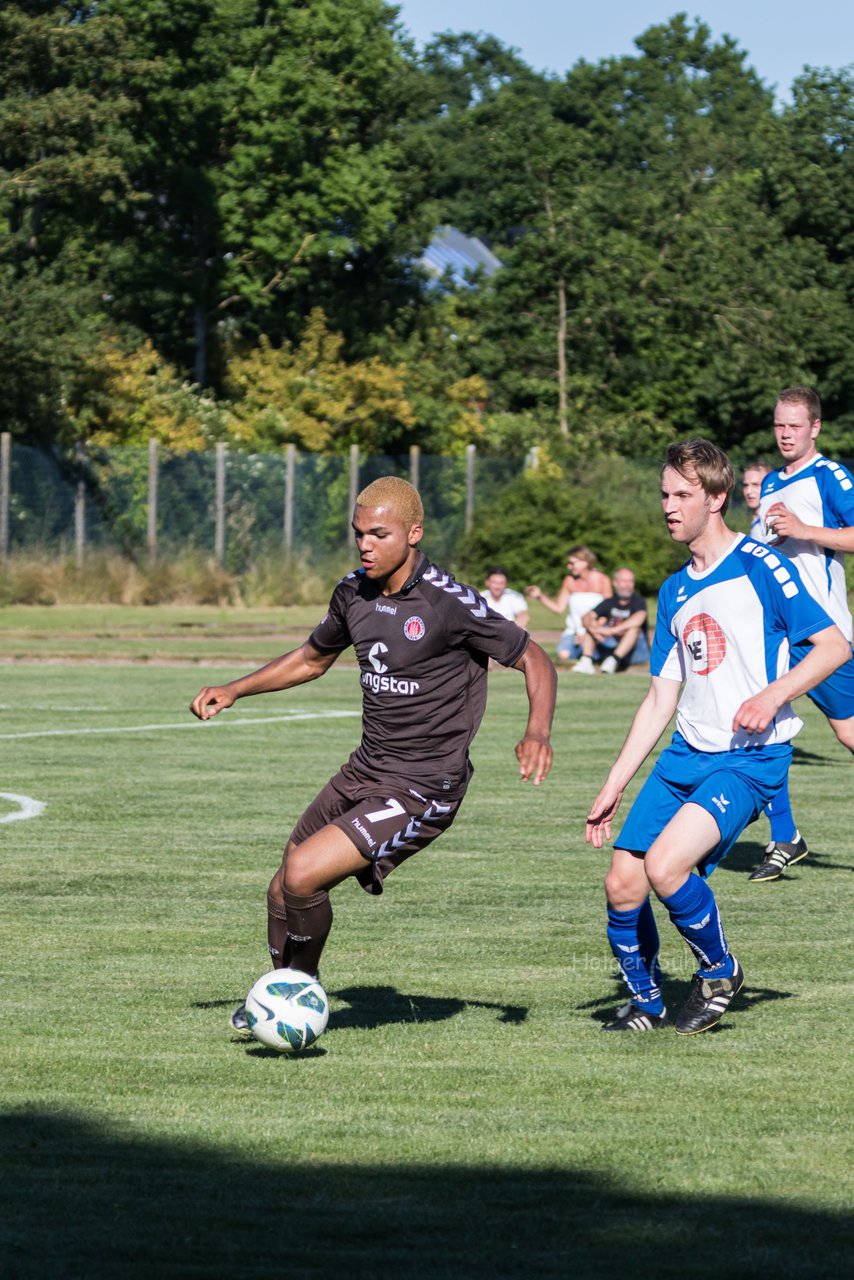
{"x": 369, "y": 1007}
{"x": 814, "y": 760}
{"x": 76, "y": 1200}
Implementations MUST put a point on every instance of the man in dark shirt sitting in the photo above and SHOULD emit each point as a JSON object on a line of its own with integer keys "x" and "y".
{"x": 423, "y": 644}
{"x": 616, "y": 631}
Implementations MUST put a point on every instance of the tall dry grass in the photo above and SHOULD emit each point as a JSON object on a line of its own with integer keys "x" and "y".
{"x": 188, "y": 577}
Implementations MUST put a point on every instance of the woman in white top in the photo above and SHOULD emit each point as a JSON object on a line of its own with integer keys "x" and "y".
{"x": 582, "y": 589}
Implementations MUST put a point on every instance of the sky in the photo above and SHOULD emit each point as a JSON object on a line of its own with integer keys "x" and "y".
{"x": 780, "y": 37}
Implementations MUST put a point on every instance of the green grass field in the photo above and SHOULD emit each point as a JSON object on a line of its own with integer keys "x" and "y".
{"x": 464, "y": 1115}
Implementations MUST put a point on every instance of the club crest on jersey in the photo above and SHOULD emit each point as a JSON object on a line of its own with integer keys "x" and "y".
{"x": 414, "y": 628}
{"x": 705, "y": 642}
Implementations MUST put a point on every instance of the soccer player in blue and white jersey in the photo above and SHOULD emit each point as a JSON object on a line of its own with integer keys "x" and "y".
{"x": 751, "y": 487}
{"x": 786, "y": 845}
{"x": 807, "y": 509}
{"x": 726, "y": 623}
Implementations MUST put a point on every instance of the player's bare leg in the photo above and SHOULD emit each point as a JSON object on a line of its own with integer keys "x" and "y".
{"x": 688, "y": 837}
{"x": 844, "y": 730}
{"x": 626, "y": 884}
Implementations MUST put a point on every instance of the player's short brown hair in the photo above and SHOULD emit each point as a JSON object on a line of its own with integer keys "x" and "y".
{"x": 764, "y": 467}
{"x": 805, "y": 396}
{"x": 396, "y": 495}
{"x": 701, "y": 460}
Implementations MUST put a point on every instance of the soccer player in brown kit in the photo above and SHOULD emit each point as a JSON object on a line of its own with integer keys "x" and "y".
{"x": 423, "y": 643}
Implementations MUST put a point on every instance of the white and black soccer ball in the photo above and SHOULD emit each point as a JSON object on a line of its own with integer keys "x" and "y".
{"x": 287, "y": 1010}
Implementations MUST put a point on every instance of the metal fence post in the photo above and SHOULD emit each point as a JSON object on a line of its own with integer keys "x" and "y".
{"x": 5, "y": 467}
{"x": 152, "y": 497}
{"x": 415, "y": 465}
{"x": 219, "y": 536}
{"x": 290, "y": 468}
{"x": 80, "y": 514}
{"x": 354, "y": 484}
{"x": 471, "y": 450}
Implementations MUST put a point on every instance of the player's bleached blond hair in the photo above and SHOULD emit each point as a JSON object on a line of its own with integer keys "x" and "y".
{"x": 395, "y": 495}
{"x": 710, "y": 466}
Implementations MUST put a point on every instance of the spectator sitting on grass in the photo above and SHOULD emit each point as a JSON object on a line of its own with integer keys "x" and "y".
{"x": 615, "y": 630}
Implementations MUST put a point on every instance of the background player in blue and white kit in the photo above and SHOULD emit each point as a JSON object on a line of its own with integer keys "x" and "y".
{"x": 786, "y": 845}
{"x": 726, "y": 622}
{"x": 751, "y": 487}
{"x": 423, "y": 642}
{"x": 807, "y": 509}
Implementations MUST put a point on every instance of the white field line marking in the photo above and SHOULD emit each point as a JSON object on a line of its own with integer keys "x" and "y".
{"x": 27, "y": 807}
{"x": 148, "y": 728}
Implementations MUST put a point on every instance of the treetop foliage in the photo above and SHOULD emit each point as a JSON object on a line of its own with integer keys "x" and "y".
{"x": 212, "y": 213}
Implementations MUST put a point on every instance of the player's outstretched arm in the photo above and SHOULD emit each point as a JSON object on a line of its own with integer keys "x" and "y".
{"x": 534, "y": 751}
{"x": 558, "y": 605}
{"x": 297, "y": 667}
{"x": 829, "y": 650}
{"x": 651, "y": 719}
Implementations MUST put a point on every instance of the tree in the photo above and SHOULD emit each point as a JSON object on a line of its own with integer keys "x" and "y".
{"x": 272, "y": 146}
{"x": 64, "y": 138}
{"x": 306, "y": 394}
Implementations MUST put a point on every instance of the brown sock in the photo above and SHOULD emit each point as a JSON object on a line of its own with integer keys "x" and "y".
{"x": 277, "y": 931}
{"x": 309, "y": 923}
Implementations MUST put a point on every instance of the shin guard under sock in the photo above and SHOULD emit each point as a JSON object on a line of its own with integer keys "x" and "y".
{"x": 277, "y": 931}
{"x": 624, "y": 928}
{"x": 309, "y": 924}
{"x": 779, "y": 811}
{"x": 649, "y": 943}
{"x": 694, "y": 912}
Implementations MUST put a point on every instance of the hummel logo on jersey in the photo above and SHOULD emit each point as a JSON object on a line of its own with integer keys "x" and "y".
{"x": 722, "y": 802}
{"x": 386, "y": 608}
{"x": 374, "y": 656}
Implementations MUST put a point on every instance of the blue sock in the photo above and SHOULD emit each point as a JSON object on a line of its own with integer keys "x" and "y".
{"x": 648, "y": 939}
{"x": 632, "y": 954}
{"x": 779, "y": 811}
{"x": 694, "y": 911}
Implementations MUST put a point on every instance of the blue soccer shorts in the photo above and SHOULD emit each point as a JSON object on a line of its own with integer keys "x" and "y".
{"x": 732, "y": 786}
{"x": 835, "y": 695}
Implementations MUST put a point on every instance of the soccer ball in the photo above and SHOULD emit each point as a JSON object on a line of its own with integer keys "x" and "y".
{"x": 287, "y": 1010}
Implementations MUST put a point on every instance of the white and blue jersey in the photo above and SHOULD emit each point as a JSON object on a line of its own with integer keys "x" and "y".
{"x": 727, "y": 632}
{"x": 821, "y": 494}
{"x": 757, "y": 528}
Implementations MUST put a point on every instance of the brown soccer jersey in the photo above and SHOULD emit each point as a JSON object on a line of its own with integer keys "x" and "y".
{"x": 423, "y": 659}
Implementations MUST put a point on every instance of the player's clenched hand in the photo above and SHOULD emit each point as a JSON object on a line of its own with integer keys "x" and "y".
{"x": 755, "y": 715}
{"x": 210, "y": 701}
{"x": 601, "y": 812}
{"x": 535, "y": 759}
{"x": 782, "y": 523}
